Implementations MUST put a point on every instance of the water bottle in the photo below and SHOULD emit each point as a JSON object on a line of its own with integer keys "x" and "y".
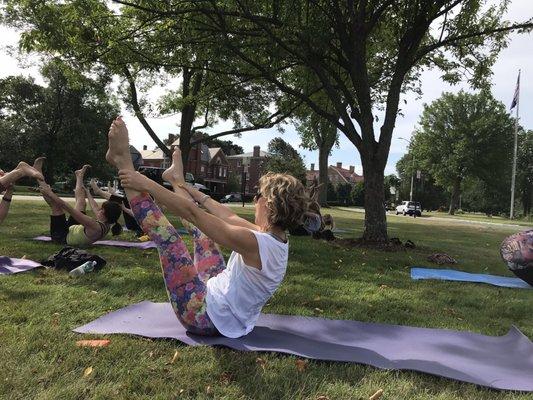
{"x": 83, "y": 269}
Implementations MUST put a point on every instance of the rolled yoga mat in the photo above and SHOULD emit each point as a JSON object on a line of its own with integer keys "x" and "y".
{"x": 504, "y": 362}
{"x": 454, "y": 275}
{"x": 10, "y": 266}
{"x": 114, "y": 243}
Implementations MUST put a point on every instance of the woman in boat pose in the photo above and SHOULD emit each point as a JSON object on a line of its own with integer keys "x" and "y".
{"x": 208, "y": 297}
{"x": 7, "y": 180}
{"x": 79, "y": 230}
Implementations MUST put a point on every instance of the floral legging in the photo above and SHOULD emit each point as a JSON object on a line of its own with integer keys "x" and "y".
{"x": 185, "y": 278}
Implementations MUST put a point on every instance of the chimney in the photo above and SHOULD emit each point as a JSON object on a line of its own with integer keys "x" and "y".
{"x": 312, "y": 166}
{"x": 257, "y": 151}
{"x": 145, "y": 147}
{"x": 352, "y": 169}
{"x": 339, "y": 165}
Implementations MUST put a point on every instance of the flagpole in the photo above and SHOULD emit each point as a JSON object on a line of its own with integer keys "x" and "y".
{"x": 513, "y": 177}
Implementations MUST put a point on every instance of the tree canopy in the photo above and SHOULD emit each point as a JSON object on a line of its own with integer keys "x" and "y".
{"x": 67, "y": 120}
{"x": 285, "y": 159}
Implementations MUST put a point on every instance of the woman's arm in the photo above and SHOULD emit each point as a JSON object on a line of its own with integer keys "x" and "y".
{"x": 92, "y": 203}
{"x": 220, "y": 210}
{"x": 83, "y": 219}
{"x": 236, "y": 238}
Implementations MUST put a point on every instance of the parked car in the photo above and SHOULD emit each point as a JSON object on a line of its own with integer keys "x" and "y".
{"x": 409, "y": 208}
{"x": 155, "y": 174}
{"x": 232, "y": 198}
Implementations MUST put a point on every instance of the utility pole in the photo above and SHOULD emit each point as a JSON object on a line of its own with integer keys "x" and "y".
{"x": 516, "y": 101}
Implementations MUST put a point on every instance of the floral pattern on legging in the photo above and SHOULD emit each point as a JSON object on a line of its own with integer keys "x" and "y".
{"x": 185, "y": 279}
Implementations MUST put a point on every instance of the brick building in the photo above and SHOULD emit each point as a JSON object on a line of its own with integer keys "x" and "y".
{"x": 252, "y": 163}
{"x": 336, "y": 175}
{"x": 209, "y": 166}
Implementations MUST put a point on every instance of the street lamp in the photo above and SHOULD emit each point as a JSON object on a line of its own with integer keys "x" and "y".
{"x": 412, "y": 170}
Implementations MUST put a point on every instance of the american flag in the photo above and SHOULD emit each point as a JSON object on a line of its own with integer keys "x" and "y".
{"x": 516, "y": 92}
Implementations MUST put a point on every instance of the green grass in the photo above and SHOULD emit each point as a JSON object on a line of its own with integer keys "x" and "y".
{"x": 479, "y": 217}
{"x": 39, "y": 359}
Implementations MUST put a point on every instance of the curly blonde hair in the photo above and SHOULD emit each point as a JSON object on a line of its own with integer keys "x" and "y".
{"x": 286, "y": 199}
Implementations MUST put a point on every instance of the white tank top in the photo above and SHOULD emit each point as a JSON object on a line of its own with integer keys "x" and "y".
{"x": 236, "y": 296}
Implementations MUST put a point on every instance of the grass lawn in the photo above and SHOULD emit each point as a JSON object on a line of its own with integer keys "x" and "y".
{"x": 479, "y": 217}
{"x": 39, "y": 359}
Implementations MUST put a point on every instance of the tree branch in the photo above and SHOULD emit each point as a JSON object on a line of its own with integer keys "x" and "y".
{"x": 139, "y": 114}
{"x": 267, "y": 123}
{"x": 454, "y": 39}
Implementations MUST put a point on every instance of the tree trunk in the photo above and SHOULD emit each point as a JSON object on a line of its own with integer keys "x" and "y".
{"x": 375, "y": 215}
{"x": 323, "y": 155}
{"x": 456, "y": 192}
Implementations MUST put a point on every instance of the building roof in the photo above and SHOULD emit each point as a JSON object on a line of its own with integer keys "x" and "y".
{"x": 156, "y": 154}
{"x": 348, "y": 177}
{"x": 250, "y": 154}
{"x": 213, "y": 152}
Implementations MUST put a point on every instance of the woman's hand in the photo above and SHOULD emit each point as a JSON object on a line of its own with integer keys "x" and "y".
{"x": 195, "y": 193}
{"x": 134, "y": 180}
{"x": 46, "y": 189}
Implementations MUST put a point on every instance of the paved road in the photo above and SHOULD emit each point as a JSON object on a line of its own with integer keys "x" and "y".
{"x": 357, "y": 210}
{"x": 432, "y": 218}
{"x": 23, "y": 197}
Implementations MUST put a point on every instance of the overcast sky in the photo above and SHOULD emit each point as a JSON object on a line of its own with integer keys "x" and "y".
{"x": 518, "y": 55}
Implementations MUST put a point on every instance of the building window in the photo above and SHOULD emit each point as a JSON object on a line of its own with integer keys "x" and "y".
{"x": 238, "y": 163}
{"x": 202, "y": 168}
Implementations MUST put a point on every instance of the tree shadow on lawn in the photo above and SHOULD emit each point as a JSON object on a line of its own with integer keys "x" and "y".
{"x": 269, "y": 375}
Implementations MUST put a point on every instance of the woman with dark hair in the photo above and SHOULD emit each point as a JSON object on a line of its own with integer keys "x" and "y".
{"x": 208, "y": 297}
{"x": 80, "y": 230}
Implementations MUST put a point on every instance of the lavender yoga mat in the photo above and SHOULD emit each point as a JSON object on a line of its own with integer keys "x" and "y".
{"x": 115, "y": 243}
{"x": 10, "y": 266}
{"x": 504, "y": 362}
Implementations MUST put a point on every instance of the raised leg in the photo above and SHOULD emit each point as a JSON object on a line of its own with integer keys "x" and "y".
{"x": 185, "y": 288}
{"x": 207, "y": 255}
{"x": 79, "y": 190}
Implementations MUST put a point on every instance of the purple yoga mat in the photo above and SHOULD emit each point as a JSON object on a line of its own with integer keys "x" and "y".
{"x": 114, "y": 243}
{"x": 10, "y": 266}
{"x": 504, "y": 362}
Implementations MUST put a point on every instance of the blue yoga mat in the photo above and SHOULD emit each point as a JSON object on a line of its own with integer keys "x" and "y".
{"x": 454, "y": 275}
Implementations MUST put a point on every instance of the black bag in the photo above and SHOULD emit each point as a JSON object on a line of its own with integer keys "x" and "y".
{"x": 69, "y": 258}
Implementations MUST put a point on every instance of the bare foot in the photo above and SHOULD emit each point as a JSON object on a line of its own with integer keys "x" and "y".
{"x": 174, "y": 174}
{"x": 80, "y": 173}
{"x": 96, "y": 189}
{"x": 29, "y": 171}
{"x": 118, "y": 153}
{"x": 38, "y": 164}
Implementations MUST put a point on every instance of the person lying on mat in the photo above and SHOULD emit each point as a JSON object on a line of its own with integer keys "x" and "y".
{"x": 209, "y": 298}
{"x": 79, "y": 230}
{"x": 111, "y": 195}
{"x": 7, "y": 180}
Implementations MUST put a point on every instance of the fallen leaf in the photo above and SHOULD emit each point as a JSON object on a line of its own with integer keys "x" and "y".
{"x": 383, "y": 286}
{"x": 317, "y": 298}
{"x": 225, "y": 378}
{"x": 376, "y": 395}
{"x": 88, "y": 371}
{"x": 174, "y": 358}
{"x": 208, "y": 390}
{"x": 261, "y": 362}
{"x": 322, "y": 398}
{"x": 301, "y": 365}
{"x": 93, "y": 343}
{"x": 151, "y": 354}
{"x": 23, "y": 257}
{"x": 319, "y": 310}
